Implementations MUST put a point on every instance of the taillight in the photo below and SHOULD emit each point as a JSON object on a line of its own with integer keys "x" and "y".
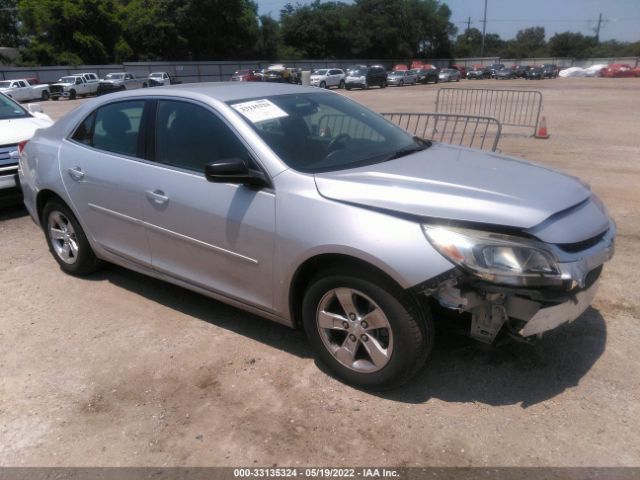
{"x": 21, "y": 146}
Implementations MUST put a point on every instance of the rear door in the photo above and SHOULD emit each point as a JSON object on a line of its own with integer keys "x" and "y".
{"x": 102, "y": 169}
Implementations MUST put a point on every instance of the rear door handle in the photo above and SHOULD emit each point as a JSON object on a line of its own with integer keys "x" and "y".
{"x": 157, "y": 196}
{"x": 76, "y": 173}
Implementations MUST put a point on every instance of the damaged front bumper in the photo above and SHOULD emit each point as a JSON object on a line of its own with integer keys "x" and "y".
{"x": 532, "y": 310}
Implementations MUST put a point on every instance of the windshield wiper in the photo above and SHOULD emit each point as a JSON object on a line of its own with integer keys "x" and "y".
{"x": 421, "y": 144}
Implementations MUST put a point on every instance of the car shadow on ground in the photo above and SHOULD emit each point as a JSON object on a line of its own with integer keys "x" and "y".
{"x": 460, "y": 369}
{"x": 11, "y": 209}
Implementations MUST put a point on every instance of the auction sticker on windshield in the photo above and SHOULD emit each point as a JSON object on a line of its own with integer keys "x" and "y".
{"x": 259, "y": 110}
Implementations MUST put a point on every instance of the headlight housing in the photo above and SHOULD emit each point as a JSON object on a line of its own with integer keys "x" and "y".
{"x": 495, "y": 257}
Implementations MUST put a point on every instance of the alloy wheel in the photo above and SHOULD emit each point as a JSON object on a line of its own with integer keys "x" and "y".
{"x": 63, "y": 238}
{"x": 355, "y": 330}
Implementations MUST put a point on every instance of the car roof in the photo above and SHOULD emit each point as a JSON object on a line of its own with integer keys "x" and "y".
{"x": 222, "y": 91}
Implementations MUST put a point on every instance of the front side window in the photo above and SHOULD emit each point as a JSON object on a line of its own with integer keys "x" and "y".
{"x": 115, "y": 129}
{"x": 190, "y": 136}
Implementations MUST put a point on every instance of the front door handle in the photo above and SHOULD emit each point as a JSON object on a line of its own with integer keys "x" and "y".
{"x": 76, "y": 173}
{"x": 157, "y": 196}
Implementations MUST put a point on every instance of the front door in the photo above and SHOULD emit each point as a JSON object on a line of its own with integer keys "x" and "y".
{"x": 101, "y": 170}
{"x": 216, "y": 236}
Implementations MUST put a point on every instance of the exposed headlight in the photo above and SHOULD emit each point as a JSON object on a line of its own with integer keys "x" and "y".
{"x": 494, "y": 257}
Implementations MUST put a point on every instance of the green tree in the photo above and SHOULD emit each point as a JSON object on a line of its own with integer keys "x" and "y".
{"x": 83, "y": 31}
{"x": 9, "y": 34}
{"x": 569, "y": 44}
{"x": 402, "y": 28}
{"x": 529, "y": 42}
{"x": 269, "y": 38}
{"x": 318, "y": 30}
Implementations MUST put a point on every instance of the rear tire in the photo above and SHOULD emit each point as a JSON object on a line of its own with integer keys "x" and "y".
{"x": 67, "y": 241}
{"x": 45, "y": 96}
{"x": 341, "y": 86}
{"x": 368, "y": 332}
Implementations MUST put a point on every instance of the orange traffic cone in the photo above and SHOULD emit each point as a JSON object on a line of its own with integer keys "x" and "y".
{"x": 542, "y": 129}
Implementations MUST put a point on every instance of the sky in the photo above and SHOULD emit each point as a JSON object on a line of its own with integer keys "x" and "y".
{"x": 621, "y": 18}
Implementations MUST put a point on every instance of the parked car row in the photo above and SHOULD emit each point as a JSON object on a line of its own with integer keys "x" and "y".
{"x": 81, "y": 85}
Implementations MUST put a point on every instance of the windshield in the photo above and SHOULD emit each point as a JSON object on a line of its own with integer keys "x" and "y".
{"x": 155, "y": 75}
{"x": 5, "y": 84}
{"x": 320, "y": 72}
{"x": 321, "y": 132}
{"x": 396, "y": 74}
{"x": 10, "y": 109}
{"x": 67, "y": 80}
{"x": 114, "y": 76}
{"x": 359, "y": 72}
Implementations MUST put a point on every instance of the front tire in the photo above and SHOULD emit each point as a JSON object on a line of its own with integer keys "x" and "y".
{"x": 369, "y": 333}
{"x": 72, "y": 95}
{"x": 323, "y": 85}
{"x": 67, "y": 241}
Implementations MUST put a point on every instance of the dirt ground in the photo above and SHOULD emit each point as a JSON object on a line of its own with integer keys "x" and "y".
{"x": 120, "y": 369}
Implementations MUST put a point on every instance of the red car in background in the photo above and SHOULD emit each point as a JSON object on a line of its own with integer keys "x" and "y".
{"x": 618, "y": 70}
{"x": 637, "y": 71}
{"x": 401, "y": 67}
{"x": 246, "y": 76}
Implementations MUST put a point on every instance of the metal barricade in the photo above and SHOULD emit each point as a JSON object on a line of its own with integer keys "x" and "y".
{"x": 517, "y": 108}
{"x": 464, "y": 130}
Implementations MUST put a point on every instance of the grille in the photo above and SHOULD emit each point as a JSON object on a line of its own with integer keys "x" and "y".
{"x": 55, "y": 89}
{"x": 583, "y": 245}
{"x": 8, "y": 165}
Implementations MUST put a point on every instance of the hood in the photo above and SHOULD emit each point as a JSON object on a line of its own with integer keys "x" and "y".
{"x": 456, "y": 183}
{"x": 18, "y": 129}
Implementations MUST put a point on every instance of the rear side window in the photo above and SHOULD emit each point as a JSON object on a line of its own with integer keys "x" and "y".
{"x": 190, "y": 136}
{"x": 84, "y": 131}
{"x": 116, "y": 128}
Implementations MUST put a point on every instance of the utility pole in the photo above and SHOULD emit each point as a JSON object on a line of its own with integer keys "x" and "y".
{"x": 598, "y": 29}
{"x": 484, "y": 28}
{"x": 468, "y": 24}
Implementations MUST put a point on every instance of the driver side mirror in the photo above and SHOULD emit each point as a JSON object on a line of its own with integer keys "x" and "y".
{"x": 234, "y": 170}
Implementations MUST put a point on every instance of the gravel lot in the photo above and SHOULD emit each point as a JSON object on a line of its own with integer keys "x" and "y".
{"x": 120, "y": 369}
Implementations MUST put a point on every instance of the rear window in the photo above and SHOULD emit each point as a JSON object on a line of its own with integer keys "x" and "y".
{"x": 113, "y": 128}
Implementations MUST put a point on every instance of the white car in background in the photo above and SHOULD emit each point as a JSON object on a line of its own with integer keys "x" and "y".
{"x": 22, "y": 91}
{"x": 17, "y": 125}
{"x": 328, "y": 77}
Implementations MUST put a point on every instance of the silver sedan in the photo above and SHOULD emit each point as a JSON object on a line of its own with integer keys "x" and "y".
{"x": 304, "y": 207}
{"x": 402, "y": 78}
{"x": 449, "y": 75}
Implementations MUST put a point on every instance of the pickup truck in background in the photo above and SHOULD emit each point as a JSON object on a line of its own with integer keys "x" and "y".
{"x": 118, "y": 81}
{"x": 157, "y": 79}
{"x": 22, "y": 91}
{"x": 73, "y": 86}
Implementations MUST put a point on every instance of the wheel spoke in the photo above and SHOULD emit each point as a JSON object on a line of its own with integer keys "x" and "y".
{"x": 345, "y": 297}
{"x": 347, "y": 352}
{"x": 56, "y": 233}
{"x": 65, "y": 252}
{"x": 375, "y": 319}
{"x": 332, "y": 321}
{"x": 73, "y": 245}
{"x": 379, "y": 355}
